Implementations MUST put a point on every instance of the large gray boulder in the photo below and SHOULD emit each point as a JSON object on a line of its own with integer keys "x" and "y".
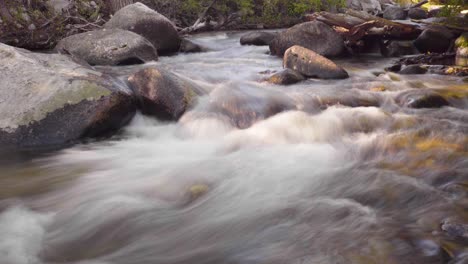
{"x": 148, "y": 23}
{"x": 49, "y": 100}
{"x": 109, "y": 47}
{"x": 369, "y": 6}
{"x": 311, "y": 64}
{"x": 395, "y": 13}
{"x": 258, "y": 38}
{"x": 162, "y": 93}
{"x": 436, "y": 39}
{"x": 314, "y": 35}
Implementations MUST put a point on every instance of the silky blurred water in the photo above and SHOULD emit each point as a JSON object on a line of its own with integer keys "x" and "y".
{"x": 319, "y": 172}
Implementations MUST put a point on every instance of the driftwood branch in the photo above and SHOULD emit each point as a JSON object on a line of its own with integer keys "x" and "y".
{"x": 354, "y": 25}
{"x": 419, "y": 4}
{"x": 199, "y": 22}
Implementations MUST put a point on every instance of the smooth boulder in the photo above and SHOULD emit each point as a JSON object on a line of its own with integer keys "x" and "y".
{"x": 162, "y": 93}
{"x": 314, "y": 35}
{"x": 258, "y": 38}
{"x": 286, "y": 77}
{"x": 434, "y": 39}
{"x": 394, "y": 13}
{"x": 47, "y": 100}
{"x": 148, "y": 23}
{"x": 417, "y": 13}
{"x": 109, "y": 47}
{"x": 311, "y": 64}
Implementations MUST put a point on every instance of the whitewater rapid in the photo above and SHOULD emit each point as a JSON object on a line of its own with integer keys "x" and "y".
{"x": 319, "y": 172}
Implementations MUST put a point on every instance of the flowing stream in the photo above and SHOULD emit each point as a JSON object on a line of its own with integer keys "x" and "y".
{"x": 319, "y": 172}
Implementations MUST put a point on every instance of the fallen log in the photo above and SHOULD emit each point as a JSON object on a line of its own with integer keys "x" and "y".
{"x": 359, "y": 24}
{"x": 430, "y": 59}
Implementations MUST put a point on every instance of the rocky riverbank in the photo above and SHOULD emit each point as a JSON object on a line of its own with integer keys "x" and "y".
{"x": 58, "y": 99}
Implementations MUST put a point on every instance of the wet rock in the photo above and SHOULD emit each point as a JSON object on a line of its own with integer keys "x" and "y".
{"x": 311, "y": 64}
{"x": 286, "y": 77}
{"x": 413, "y": 69}
{"x": 454, "y": 229}
{"x": 394, "y": 68}
{"x": 188, "y": 46}
{"x": 48, "y": 100}
{"x": 421, "y": 99}
{"x": 163, "y": 94}
{"x": 243, "y": 107}
{"x": 258, "y": 38}
{"x": 109, "y": 47}
{"x": 417, "y": 13}
{"x": 394, "y": 48}
{"x": 148, "y": 23}
{"x": 394, "y": 13}
{"x": 434, "y": 39}
{"x": 315, "y": 35}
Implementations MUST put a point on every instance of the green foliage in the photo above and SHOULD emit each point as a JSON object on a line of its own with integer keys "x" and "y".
{"x": 452, "y": 8}
{"x": 269, "y": 12}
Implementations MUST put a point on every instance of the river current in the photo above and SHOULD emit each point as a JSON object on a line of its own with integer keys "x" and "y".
{"x": 321, "y": 172}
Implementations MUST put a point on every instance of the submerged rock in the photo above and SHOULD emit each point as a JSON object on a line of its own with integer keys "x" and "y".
{"x": 109, "y": 47}
{"x": 413, "y": 69}
{"x": 148, "y": 23}
{"x": 421, "y": 99}
{"x": 286, "y": 77}
{"x": 258, "y": 38}
{"x": 315, "y": 35}
{"x": 243, "y": 107}
{"x": 163, "y": 94}
{"x": 311, "y": 64}
{"x": 395, "y": 48}
{"x": 188, "y": 46}
{"x": 434, "y": 39}
{"x": 394, "y": 13}
{"x": 49, "y": 100}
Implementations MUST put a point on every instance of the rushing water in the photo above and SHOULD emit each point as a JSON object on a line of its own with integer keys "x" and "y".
{"x": 318, "y": 172}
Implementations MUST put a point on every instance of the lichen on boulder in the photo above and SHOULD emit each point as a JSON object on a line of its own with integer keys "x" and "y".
{"x": 49, "y": 100}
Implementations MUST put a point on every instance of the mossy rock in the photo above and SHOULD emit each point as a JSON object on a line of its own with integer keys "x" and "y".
{"x": 49, "y": 100}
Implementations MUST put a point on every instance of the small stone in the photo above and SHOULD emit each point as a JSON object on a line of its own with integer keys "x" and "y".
{"x": 286, "y": 77}
{"x": 32, "y": 27}
{"x": 25, "y": 17}
{"x": 198, "y": 190}
{"x": 93, "y": 4}
{"x": 455, "y": 230}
